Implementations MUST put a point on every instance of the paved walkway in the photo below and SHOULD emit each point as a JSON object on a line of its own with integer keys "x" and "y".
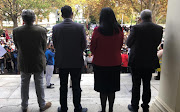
{"x": 10, "y": 94}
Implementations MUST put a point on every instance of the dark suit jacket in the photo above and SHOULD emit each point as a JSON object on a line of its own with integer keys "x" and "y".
{"x": 31, "y": 45}
{"x": 69, "y": 40}
{"x": 143, "y": 42}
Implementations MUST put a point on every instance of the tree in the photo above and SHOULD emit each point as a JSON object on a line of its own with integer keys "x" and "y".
{"x": 127, "y": 8}
{"x": 41, "y": 8}
{"x": 13, "y": 8}
{"x": 158, "y": 7}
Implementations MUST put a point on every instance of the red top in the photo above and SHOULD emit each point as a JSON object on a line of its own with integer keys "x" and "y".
{"x": 106, "y": 49}
{"x": 124, "y": 60}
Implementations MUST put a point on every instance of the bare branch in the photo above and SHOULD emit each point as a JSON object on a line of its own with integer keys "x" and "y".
{"x": 159, "y": 18}
{"x": 132, "y": 3}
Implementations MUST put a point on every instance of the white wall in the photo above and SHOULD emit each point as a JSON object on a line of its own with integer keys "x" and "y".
{"x": 170, "y": 76}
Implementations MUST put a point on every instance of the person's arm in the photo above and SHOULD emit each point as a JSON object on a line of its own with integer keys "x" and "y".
{"x": 44, "y": 40}
{"x": 122, "y": 39}
{"x": 83, "y": 41}
{"x": 15, "y": 38}
{"x": 131, "y": 37}
{"x": 160, "y": 53}
{"x": 85, "y": 62}
{"x": 54, "y": 37}
{"x": 93, "y": 42}
{"x": 161, "y": 35}
{"x": 52, "y": 54}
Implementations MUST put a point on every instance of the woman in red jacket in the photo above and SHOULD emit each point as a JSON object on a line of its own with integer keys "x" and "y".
{"x": 106, "y": 46}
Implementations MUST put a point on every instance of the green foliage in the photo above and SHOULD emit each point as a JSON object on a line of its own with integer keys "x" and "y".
{"x": 12, "y": 9}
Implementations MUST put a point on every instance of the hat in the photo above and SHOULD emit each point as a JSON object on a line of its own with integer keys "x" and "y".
{"x": 89, "y": 52}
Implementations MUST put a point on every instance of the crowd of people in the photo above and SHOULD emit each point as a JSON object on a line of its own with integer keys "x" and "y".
{"x": 8, "y": 61}
{"x": 110, "y": 50}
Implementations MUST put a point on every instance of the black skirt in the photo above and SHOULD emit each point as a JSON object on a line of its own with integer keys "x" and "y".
{"x": 106, "y": 79}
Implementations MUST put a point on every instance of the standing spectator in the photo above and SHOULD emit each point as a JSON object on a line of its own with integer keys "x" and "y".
{"x": 159, "y": 54}
{"x": 4, "y": 35}
{"x": 49, "y": 65}
{"x": 2, "y": 64}
{"x": 88, "y": 61}
{"x": 8, "y": 59}
{"x": 107, "y": 40}
{"x": 143, "y": 40}
{"x": 7, "y": 35}
{"x": 124, "y": 64}
{"x": 30, "y": 41}
{"x": 14, "y": 59}
{"x": 84, "y": 68}
{"x": 69, "y": 40}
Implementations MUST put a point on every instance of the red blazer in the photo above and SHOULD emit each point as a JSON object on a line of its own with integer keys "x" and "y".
{"x": 106, "y": 49}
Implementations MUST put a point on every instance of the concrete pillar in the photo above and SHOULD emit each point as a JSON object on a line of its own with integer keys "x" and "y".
{"x": 168, "y": 99}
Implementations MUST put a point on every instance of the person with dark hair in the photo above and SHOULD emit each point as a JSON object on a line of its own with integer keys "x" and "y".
{"x": 144, "y": 39}
{"x": 69, "y": 40}
{"x": 106, "y": 43}
{"x": 8, "y": 58}
{"x": 30, "y": 41}
{"x": 14, "y": 59}
{"x": 49, "y": 65}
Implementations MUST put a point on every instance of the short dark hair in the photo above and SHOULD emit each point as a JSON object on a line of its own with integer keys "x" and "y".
{"x": 66, "y": 11}
{"x": 28, "y": 16}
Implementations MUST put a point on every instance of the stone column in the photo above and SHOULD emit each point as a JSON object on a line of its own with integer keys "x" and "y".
{"x": 168, "y": 99}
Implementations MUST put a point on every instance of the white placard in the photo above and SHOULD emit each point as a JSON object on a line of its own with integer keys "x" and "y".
{"x": 2, "y": 51}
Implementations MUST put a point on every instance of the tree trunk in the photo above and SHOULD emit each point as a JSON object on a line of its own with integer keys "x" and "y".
{"x": 150, "y": 5}
{"x": 37, "y": 17}
{"x": 153, "y": 18}
{"x": 1, "y": 24}
{"x": 141, "y": 6}
{"x": 154, "y": 14}
{"x": 87, "y": 19}
{"x": 14, "y": 19}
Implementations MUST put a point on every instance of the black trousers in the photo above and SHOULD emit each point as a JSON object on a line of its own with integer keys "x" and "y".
{"x": 124, "y": 69}
{"x": 76, "y": 78}
{"x": 137, "y": 75}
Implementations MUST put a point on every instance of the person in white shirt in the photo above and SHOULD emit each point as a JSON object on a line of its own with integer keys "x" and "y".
{"x": 88, "y": 62}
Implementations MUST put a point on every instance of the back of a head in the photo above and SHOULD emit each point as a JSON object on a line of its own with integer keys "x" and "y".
{"x": 108, "y": 22}
{"x": 66, "y": 11}
{"x": 146, "y": 15}
{"x": 28, "y": 16}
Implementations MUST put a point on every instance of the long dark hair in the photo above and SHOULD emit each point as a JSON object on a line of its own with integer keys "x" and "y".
{"x": 108, "y": 22}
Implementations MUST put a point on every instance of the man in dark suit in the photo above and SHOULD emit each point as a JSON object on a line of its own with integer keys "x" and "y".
{"x": 69, "y": 41}
{"x": 30, "y": 41}
{"x": 143, "y": 41}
